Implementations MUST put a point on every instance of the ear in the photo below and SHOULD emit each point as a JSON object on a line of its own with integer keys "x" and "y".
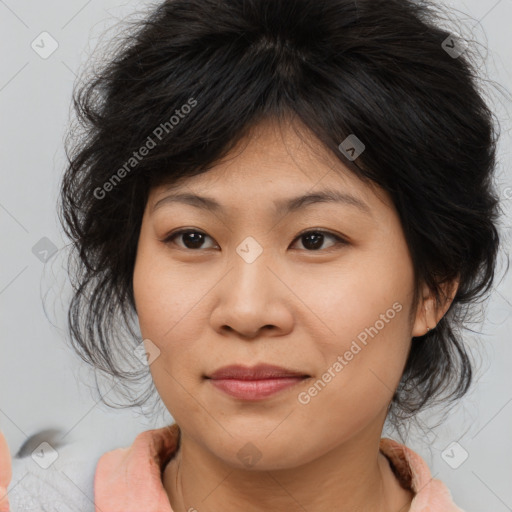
{"x": 428, "y": 313}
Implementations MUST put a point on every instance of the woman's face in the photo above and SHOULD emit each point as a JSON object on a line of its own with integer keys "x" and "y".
{"x": 252, "y": 282}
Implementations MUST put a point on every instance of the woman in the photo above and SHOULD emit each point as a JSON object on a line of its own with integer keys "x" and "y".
{"x": 293, "y": 200}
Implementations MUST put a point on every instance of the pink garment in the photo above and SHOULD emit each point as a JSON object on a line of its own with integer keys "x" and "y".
{"x": 130, "y": 479}
{"x": 5, "y": 473}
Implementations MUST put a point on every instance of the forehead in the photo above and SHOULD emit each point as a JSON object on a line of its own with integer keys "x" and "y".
{"x": 274, "y": 164}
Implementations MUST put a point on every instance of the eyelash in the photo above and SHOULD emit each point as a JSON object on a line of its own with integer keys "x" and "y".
{"x": 339, "y": 240}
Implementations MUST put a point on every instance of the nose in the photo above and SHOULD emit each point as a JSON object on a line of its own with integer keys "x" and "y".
{"x": 253, "y": 300}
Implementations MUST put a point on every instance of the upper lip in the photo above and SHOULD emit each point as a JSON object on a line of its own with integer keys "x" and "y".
{"x": 258, "y": 372}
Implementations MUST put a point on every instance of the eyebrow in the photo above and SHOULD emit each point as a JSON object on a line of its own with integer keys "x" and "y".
{"x": 282, "y": 206}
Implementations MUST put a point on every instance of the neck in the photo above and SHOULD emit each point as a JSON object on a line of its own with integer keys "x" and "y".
{"x": 354, "y": 476}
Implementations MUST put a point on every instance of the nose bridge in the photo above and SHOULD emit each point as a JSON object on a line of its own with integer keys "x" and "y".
{"x": 250, "y": 272}
{"x": 249, "y": 299}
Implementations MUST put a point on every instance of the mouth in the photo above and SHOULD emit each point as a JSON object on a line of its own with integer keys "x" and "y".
{"x": 256, "y": 382}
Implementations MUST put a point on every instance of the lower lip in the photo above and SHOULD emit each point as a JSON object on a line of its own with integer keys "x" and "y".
{"x": 255, "y": 389}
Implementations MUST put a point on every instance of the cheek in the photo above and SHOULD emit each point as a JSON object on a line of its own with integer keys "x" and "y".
{"x": 367, "y": 290}
{"x": 163, "y": 295}
{"x": 360, "y": 373}
{"x": 165, "y": 310}
{"x": 368, "y": 333}
{"x": 168, "y": 303}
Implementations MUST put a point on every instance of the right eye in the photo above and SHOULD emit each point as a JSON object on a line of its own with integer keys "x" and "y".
{"x": 191, "y": 238}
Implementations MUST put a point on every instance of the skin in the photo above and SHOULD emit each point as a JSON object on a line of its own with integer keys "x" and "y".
{"x": 204, "y": 307}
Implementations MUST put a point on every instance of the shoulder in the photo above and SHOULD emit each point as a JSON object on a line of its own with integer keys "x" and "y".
{"x": 130, "y": 479}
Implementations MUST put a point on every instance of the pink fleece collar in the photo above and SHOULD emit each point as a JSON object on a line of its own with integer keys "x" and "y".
{"x": 130, "y": 479}
{"x": 413, "y": 473}
{"x": 5, "y": 473}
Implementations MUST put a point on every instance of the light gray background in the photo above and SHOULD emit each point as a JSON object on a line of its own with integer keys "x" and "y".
{"x": 43, "y": 384}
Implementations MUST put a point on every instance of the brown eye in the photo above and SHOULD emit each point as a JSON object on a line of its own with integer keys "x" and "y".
{"x": 191, "y": 238}
{"x": 314, "y": 239}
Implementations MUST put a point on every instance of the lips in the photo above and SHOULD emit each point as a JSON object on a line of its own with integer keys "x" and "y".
{"x": 256, "y": 382}
{"x": 258, "y": 372}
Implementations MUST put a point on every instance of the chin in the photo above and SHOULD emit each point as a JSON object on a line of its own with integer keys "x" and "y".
{"x": 262, "y": 452}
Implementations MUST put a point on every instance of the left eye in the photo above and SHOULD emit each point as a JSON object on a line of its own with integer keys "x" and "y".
{"x": 313, "y": 239}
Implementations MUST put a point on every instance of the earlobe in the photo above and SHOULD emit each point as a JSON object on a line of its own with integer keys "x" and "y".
{"x": 425, "y": 319}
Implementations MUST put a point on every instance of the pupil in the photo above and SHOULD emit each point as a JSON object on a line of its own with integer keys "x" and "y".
{"x": 317, "y": 240}
{"x": 198, "y": 239}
